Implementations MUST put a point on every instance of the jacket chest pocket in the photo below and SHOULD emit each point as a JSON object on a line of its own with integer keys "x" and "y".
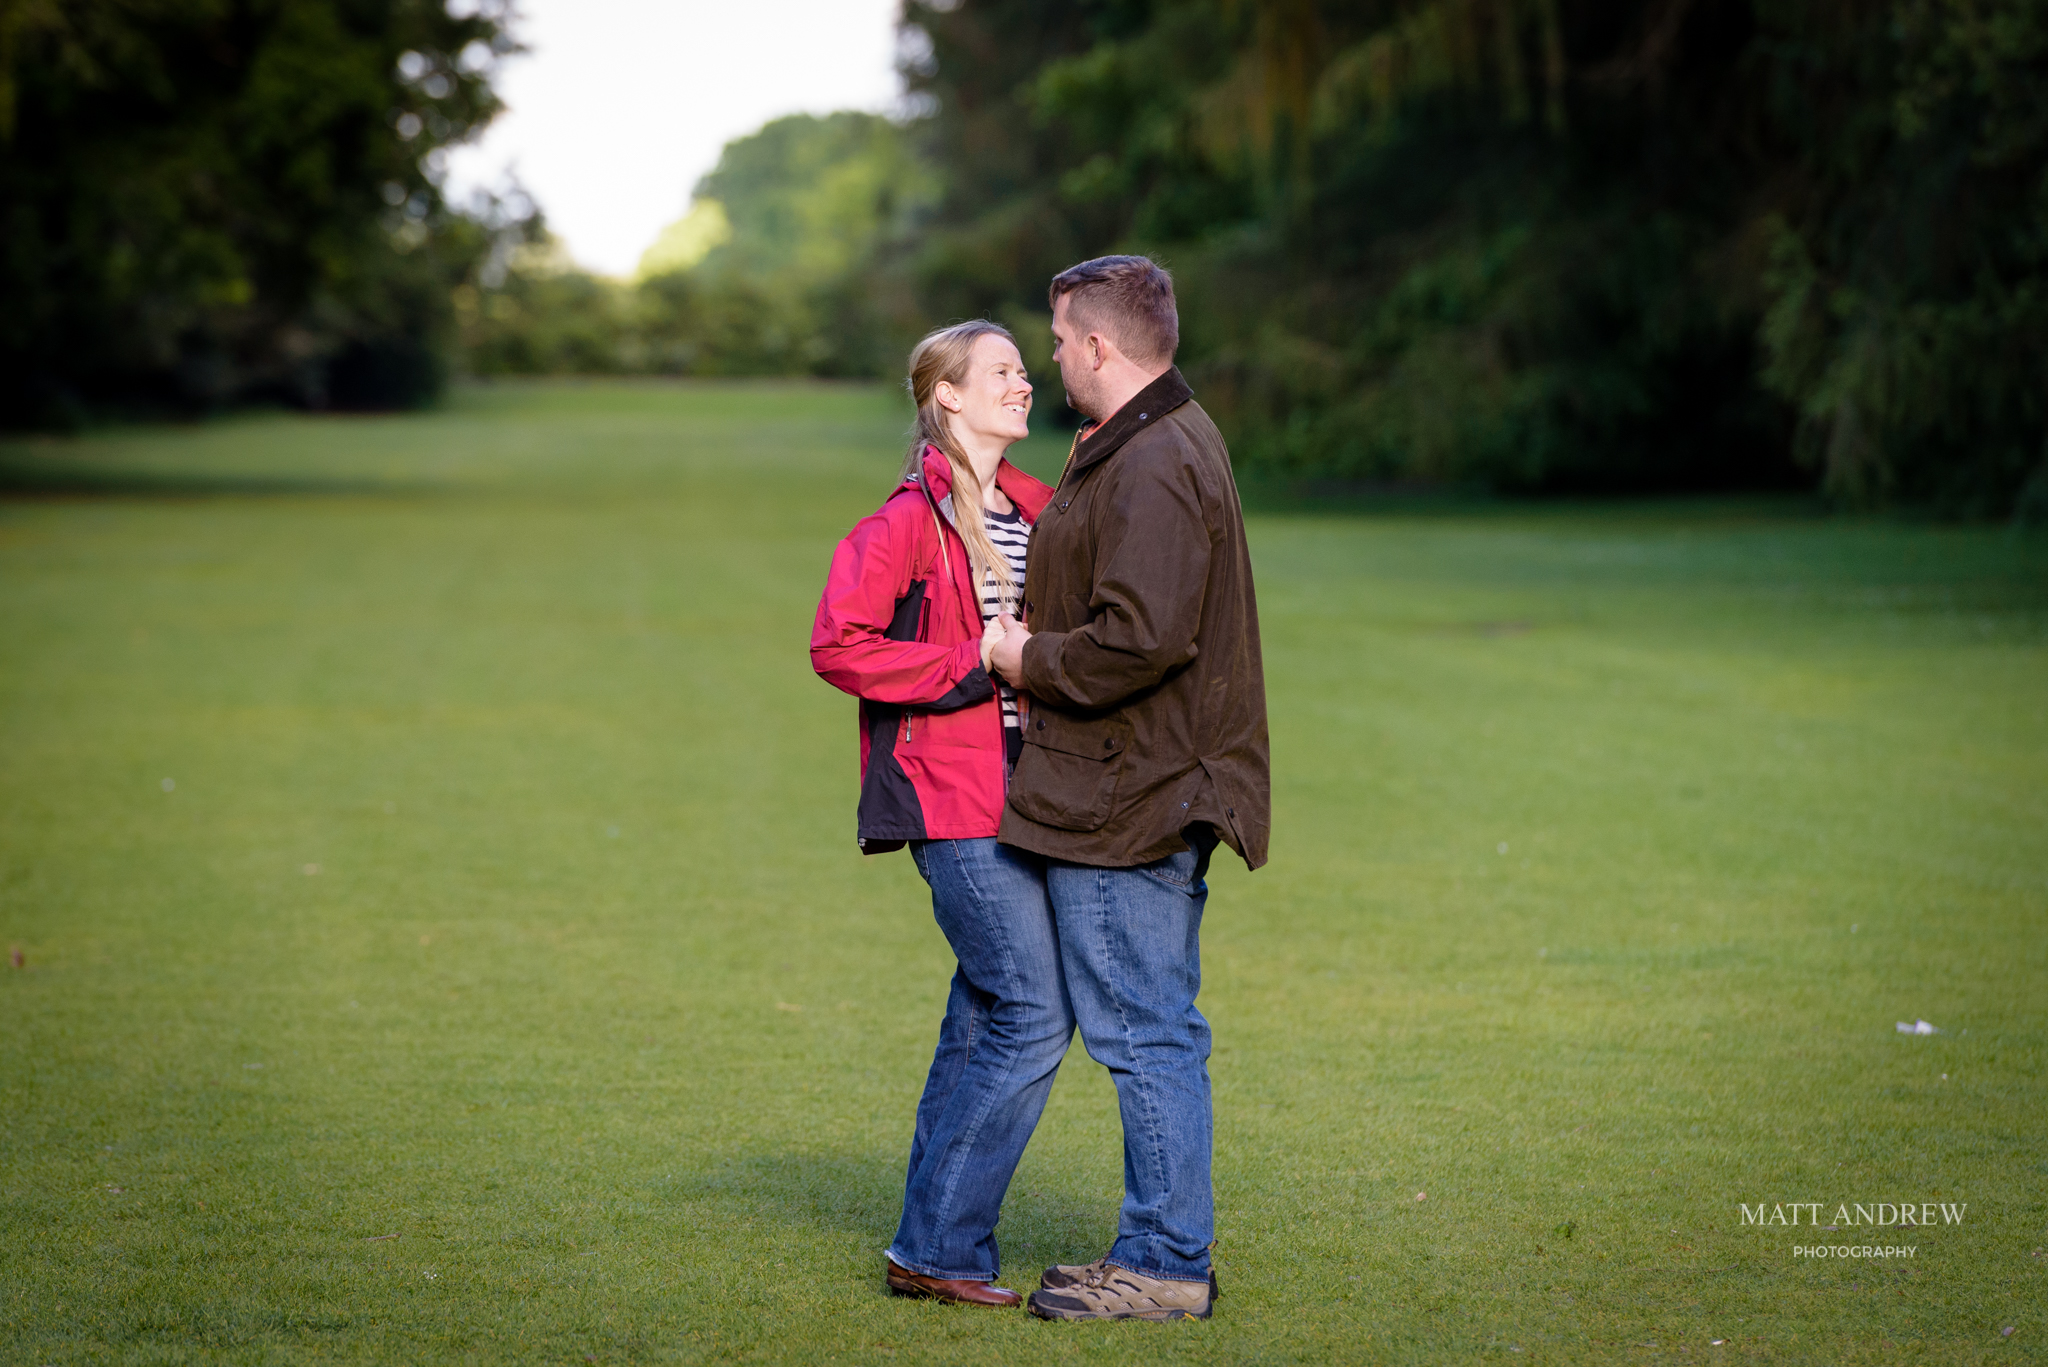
{"x": 1067, "y": 776}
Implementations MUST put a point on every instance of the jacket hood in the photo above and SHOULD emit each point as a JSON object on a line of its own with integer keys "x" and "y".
{"x": 1023, "y": 490}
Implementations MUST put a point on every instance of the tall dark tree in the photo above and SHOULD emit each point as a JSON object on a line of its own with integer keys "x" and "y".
{"x": 1907, "y": 282}
{"x": 202, "y": 200}
{"x": 1539, "y": 244}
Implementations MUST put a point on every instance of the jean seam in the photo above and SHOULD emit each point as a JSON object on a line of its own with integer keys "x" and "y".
{"x": 1194, "y": 871}
{"x": 1187, "y": 888}
{"x": 1153, "y": 1149}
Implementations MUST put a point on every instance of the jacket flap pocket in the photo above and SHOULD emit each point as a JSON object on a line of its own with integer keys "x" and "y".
{"x": 1101, "y": 739}
{"x": 1067, "y": 776}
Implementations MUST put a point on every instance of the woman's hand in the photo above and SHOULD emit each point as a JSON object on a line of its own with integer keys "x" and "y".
{"x": 990, "y": 635}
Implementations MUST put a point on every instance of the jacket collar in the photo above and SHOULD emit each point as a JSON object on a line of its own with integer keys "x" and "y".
{"x": 1150, "y": 404}
{"x": 1026, "y": 492}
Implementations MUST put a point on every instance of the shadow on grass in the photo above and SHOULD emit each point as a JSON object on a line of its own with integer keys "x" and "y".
{"x": 24, "y": 481}
{"x": 840, "y": 1192}
{"x": 860, "y": 1196}
{"x": 1271, "y": 496}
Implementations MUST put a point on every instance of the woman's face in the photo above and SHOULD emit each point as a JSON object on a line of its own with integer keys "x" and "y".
{"x": 993, "y": 400}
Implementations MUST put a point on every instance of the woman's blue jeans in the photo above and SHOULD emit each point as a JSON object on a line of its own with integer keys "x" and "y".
{"x": 1007, "y": 1026}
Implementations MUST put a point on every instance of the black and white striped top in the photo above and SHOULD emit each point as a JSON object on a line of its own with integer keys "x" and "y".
{"x": 1012, "y": 537}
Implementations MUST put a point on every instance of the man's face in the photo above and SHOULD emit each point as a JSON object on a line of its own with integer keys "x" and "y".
{"x": 1078, "y": 358}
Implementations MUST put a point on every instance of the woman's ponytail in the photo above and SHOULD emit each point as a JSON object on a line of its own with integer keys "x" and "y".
{"x": 942, "y": 357}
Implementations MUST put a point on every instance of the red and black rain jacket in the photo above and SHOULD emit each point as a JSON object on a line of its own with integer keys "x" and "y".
{"x": 899, "y": 627}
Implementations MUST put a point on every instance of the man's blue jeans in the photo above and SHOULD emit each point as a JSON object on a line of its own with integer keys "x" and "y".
{"x": 1044, "y": 945}
{"x": 1007, "y": 1026}
{"x": 1130, "y": 942}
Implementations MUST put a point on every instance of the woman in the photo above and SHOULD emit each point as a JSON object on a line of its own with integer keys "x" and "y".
{"x": 906, "y": 625}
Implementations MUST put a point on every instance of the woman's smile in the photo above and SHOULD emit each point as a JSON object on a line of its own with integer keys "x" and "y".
{"x": 994, "y": 397}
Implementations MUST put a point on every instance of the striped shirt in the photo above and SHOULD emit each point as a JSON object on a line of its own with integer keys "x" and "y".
{"x": 1012, "y": 537}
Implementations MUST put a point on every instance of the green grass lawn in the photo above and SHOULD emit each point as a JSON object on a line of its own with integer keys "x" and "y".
{"x": 443, "y": 937}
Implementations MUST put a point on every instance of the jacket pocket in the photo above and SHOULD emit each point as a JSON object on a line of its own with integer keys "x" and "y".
{"x": 1067, "y": 776}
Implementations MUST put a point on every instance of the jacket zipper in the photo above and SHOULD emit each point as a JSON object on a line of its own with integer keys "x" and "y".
{"x": 924, "y": 634}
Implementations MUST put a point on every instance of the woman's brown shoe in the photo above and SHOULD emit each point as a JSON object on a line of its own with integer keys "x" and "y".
{"x": 903, "y": 1283}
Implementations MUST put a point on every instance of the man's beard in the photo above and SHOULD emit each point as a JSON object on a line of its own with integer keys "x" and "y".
{"x": 1082, "y": 401}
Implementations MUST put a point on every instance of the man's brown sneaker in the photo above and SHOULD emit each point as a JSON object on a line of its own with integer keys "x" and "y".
{"x": 1067, "y": 1274}
{"x": 1109, "y": 1292}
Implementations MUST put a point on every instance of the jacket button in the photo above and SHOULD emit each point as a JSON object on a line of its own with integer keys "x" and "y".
{"x": 1041, "y": 723}
{"x": 1143, "y": 416}
{"x": 1230, "y": 811}
{"x": 1109, "y": 745}
{"x": 1063, "y": 507}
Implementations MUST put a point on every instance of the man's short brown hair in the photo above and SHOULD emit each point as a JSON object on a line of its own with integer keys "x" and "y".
{"x": 1128, "y": 299}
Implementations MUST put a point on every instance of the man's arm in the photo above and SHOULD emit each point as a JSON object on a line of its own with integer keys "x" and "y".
{"x": 1152, "y": 569}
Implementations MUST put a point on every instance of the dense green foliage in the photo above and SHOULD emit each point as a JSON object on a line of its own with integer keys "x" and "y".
{"x": 1522, "y": 244}
{"x": 775, "y": 271}
{"x": 1539, "y": 243}
{"x": 497, "y": 981}
{"x": 206, "y": 200}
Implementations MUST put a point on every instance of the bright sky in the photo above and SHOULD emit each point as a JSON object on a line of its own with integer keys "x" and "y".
{"x": 620, "y": 105}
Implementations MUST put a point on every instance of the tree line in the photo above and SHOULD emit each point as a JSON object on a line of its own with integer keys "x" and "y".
{"x": 1541, "y": 244}
{"x": 212, "y": 201}
{"x": 1531, "y": 245}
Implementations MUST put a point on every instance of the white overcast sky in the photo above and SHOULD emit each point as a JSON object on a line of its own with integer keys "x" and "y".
{"x": 620, "y": 105}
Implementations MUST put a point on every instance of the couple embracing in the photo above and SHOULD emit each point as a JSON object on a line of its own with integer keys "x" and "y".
{"x": 1063, "y": 713}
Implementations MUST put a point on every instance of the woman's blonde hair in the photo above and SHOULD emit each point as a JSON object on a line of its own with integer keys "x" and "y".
{"x": 942, "y": 357}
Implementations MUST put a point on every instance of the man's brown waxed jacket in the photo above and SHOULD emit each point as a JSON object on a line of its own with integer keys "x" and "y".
{"x": 1147, "y": 697}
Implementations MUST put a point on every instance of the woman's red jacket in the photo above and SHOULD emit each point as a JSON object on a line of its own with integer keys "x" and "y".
{"x": 899, "y": 627}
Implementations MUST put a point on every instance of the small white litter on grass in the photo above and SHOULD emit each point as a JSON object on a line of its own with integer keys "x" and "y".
{"x": 1918, "y": 1028}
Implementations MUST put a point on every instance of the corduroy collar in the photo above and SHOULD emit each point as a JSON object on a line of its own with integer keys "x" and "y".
{"x": 1146, "y": 407}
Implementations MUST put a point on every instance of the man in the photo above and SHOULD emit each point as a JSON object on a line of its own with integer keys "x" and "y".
{"x": 1145, "y": 744}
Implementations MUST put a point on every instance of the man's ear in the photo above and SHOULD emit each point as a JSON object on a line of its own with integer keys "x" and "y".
{"x": 1098, "y": 351}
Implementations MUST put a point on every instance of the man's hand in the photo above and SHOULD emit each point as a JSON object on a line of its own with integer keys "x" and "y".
{"x": 1007, "y": 656}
